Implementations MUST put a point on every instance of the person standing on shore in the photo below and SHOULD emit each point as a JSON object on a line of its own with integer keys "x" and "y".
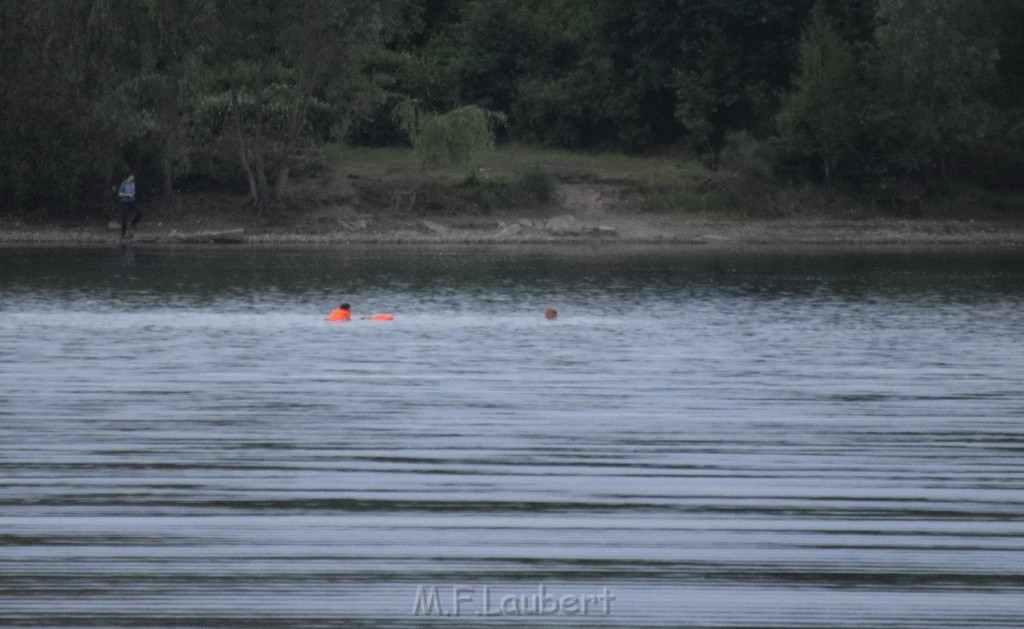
{"x": 126, "y": 194}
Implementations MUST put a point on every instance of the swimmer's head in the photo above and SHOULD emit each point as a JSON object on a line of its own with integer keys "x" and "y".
{"x": 550, "y": 313}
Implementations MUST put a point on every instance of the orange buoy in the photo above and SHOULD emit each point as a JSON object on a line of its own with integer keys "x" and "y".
{"x": 383, "y": 316}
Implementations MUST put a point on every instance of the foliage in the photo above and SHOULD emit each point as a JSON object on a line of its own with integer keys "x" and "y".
{"x": 460, "y": 137}
{"x": 744, "y": 154}
{"x": 823, "y": 117}
{"x": 736, "y": 56}
{"x": 276, "y": 61}
{"x": 104, "y": 86}
{"x": 936, "y": 60}
{"x": 247, "y": 92}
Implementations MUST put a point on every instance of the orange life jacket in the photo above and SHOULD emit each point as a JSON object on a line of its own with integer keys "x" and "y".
{"x": 339, "y": 315}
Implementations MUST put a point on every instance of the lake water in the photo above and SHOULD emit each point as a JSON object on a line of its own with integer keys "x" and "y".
{"x": 707, "y": 438}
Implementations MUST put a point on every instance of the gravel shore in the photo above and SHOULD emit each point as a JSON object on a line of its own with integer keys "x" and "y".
{"x": 567, "y": 229}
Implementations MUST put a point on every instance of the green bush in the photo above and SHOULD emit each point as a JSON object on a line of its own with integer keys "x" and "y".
{"x": 459, "y": 138}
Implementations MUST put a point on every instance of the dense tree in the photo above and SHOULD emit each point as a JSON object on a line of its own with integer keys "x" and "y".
{"x": 274, "y": 61}
{"x": 999, "y": 159}
{"x": 63, "y": 114}
{"x": 823, "y": 117}
{"x": 630, "y": 73}
{"x": 244, "y": 91}
{"x": 936, "y": 61}
{"x": 167, "y": 38}
{"x": 737, "y": 56}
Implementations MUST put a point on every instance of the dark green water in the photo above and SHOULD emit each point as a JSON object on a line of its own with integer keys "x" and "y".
{"x": 701, "y": 438}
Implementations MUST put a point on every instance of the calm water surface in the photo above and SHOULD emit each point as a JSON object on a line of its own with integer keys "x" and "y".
{"x": 701, "y": 438}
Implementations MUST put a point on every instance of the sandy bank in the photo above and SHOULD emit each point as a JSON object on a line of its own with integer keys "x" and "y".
{"x": 568, "y": 229}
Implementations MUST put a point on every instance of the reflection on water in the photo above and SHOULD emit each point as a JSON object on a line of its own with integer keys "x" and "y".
{"x": 719, "y": 439}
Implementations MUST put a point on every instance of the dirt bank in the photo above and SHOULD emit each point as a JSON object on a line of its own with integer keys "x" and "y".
{"x": 581, "y": 213}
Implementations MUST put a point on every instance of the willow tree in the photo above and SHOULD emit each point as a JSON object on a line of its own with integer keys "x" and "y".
{"x": 458, "y": 138}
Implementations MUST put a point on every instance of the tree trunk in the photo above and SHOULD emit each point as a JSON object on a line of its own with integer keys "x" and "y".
{"x": 295, "y": 123}
{"x": 109, "y": 158}
{"x": 258, "y": 145}
{"x": 243, "y": 149}
{"x": 170, "y": 122}
{"x": 281, "y": 186}
{"x": 168, "y": 168}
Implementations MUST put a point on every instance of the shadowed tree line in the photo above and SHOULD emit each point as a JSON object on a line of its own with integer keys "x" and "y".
{"x": 225, "y": 91}
{"x": 245, "y": 93}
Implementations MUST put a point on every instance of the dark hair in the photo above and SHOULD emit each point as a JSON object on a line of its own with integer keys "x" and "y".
{"x": 345, "y": 307}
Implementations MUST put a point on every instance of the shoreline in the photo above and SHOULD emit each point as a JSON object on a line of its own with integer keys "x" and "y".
{"x": 610, "y": 231}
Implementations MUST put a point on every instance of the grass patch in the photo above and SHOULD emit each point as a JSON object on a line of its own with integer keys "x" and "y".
{"x": 958, "y": 200}
{"x": 720, "y": 195}
{"x": 512, "y": 161}
{"x": 477, "y": 195}
{"x": 372, "y": 161}
{"x": 614, "y": 166}
{"x": 524, "y": 179}
{"x": 530, "y": 190}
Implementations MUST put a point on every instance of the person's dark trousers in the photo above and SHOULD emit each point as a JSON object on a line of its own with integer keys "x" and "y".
{"x": 127, "y": 209}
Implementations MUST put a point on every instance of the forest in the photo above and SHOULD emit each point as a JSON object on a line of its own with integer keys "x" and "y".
{"x": 856, "y": 95}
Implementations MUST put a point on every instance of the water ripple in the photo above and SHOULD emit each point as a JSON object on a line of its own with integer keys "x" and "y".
{"x": 791, "y": 441}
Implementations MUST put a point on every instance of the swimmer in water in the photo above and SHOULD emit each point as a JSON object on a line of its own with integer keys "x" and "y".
{"x": 341, "y": 313}
{"x": 344, "y": 313}
{"x": 550, "y": 313}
